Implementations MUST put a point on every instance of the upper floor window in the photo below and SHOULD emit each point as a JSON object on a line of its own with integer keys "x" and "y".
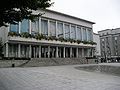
{"x": 67, "y": 31}
{"x": 90, "y": 36}
{"x": 35, "y": 26}
{"x": 73, "y": 32}
{"x": 44, "y": 27}
{"x": 25, "y": 25}
{"x": 14, "y": 27}
{"x": 60, "y": 29}
{"x": 79, "y": 33}
{"x": 84, "y": 34}
{"x": 52, "y": 28}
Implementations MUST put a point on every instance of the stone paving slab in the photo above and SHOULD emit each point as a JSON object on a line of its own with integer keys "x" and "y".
{"x": 56, "y": 78}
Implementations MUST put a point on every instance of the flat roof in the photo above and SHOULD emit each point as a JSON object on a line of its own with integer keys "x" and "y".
{"x": 68, "y": 15}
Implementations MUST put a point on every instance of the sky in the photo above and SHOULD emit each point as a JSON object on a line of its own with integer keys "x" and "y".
{"x": 105, "y": 13}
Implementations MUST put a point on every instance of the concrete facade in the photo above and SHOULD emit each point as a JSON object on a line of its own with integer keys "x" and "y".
{"x": 22, "y": 41}
{"x": 96, "y": 39}
{"x": 110, "y": 43}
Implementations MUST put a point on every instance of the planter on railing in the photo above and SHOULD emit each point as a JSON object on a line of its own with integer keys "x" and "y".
{"x": 38, "y": 36}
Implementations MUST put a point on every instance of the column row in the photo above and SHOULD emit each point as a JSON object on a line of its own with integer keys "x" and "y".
{"x": 38, "y": 51}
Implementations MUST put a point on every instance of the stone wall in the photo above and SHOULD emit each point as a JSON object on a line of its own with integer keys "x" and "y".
{"x": 37, "y": 62}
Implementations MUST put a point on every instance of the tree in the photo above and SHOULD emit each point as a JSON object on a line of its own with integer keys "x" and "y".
{"x": 13, "y": 11}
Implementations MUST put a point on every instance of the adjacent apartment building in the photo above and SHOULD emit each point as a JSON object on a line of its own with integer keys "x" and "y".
{"x": 110, "y": 43}
{"x": 97, "y": 51}
{"x": 53, "y": 35}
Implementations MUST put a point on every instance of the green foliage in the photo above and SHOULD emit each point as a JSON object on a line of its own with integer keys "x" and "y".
{"x": 41, "y": 36}
{"x": 25, "y": 34}
{"x": 13, "y": 34}
{"x": 13, "y": 11}
{"x": 61, "y": 39}
{"x": 78, "y": 41}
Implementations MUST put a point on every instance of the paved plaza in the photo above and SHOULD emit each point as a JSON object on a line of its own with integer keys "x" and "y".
{"x": 64, "y": 77}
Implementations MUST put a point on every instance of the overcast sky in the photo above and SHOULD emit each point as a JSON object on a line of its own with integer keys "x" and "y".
{"x": 105, "y": 13}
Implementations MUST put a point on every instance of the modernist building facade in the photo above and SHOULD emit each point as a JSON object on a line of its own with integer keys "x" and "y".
{"x": 110, "y": 43}
{"x": 53, "y": 35}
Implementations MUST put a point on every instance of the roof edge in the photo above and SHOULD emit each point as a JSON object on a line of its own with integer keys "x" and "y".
{"x": 68, "y": 15}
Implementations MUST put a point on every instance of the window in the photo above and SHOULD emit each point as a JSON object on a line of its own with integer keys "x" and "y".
{"x": 73, "y": 32}
{"x": 35, "y": 26}
{"x": 14, "y": 27}
{"x": 44, "y": 27}
{"x": 84, "y": 34}
{"x": 79, "y": 34}
{"x": 67, "y": 31}
{"x": 89, "y": 35}
{"x": 25, "y": 26}
{"x": 60, "y": 29}
{"x": 52, "y": 28}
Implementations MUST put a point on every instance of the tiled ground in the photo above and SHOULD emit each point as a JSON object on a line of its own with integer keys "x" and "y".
{"x": 56, "y": 78}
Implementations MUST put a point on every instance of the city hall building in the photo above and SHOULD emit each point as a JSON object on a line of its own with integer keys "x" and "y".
{"x": 52, "y": 35}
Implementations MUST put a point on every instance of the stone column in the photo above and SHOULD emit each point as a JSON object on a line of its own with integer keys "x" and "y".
{"x": 48, "y": 51}
{"x": 64, "y": 52}
{"x": 30, "y": 27}
{"x": 39, "y": 51}
{"x": 7, "y": 51}
{"x": 77, "y": 52}
{"x": 56, "y": 51}
{"x": 70, "y": 52}
{"x": 19, "y": 50}
{"x": 30, "y": 51}
{"x": 39, "y": 27}
{"x": 19, "y": 28}
{"x": 82, "y": 52}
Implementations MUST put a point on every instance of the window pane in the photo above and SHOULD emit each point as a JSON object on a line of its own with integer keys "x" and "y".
{"x": 25, "y": 26}
{"x": 67, "y": 31}
{"x": 79, "y": 34}
{"x": 52, "y": 28}
{"x": 73, "y": 32}
{"x": 60, "y": 29}
{"x": 84, "y": 34}
{"x": 14, "y": 27}
{"x": 44, "y": 27}
{"x": 35, "y": 26}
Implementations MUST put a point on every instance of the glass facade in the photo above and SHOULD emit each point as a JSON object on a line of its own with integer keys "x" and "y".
{"x": 84, "y": 34}
{"x": 79, "y": 33}
{"x": 63, "y": 28}
{"x": 14, "y": 27}
{"x": 35, "y": 26}
{"x": 89, "y": 35}
{"x": 25, "y": 25}
{"x": 44, "y": 27}
{"x": 60, "y": 29}
{"x": 73, "y": 32}
{"x": 67, "y": 31}
{"x": 52, "y": 28}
